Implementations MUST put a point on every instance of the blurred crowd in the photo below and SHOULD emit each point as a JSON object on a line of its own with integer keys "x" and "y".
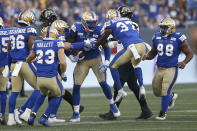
{"x": 147, "y": 13}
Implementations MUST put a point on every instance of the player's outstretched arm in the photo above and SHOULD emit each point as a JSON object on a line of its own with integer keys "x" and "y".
{"x": 188, "y": 53}
{"x": 101, "y": 40}
{"x": 151, "y": 54}
{"x": 31, "y": 57}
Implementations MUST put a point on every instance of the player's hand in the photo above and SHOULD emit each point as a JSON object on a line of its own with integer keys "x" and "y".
{"x": 89, "y": 44}
{"x": 144, "y": 57}
{"x": 64, "y": 77}
{"x": 103, "y": 68}
{"x": 181, "y": 65}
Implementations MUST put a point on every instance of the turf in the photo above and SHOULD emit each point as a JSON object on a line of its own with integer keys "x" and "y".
{"x": 182, "y": 118}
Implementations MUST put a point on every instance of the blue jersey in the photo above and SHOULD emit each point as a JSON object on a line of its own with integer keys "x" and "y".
{"x": 4, "y": 40}
{"x": 168, "y": 49}
{"x": 47, "y": 57}
{"x": 80, "y": 35}
{"x": 124, "y": 30}
{"x": 19, "y": 42}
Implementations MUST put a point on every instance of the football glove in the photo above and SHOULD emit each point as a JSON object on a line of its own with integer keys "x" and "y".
{"x": 103, "y": 68}
{"x": 64, "y": 77}
{"x": 89, "y": 44}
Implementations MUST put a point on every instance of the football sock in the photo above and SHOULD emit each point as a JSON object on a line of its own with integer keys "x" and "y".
{"x": 52, "y": 106}
{"x": 12, "y": 101}
{"x": 116, "y": 78}
{"x": 106, "y": 89}
{"x": 165, "y": 100}
{"x": 115, "y": 95}
{"x": 76, "y": 108}
{"x": 76, "y": 94}
{"x": 55, "y": 109}
{"x": 31, "y": 100}
{"x": 38, "y": 103}
{"x": 68, "y": 97}
{"x": 3, "y": 102}
{"x": 138, "y": 72}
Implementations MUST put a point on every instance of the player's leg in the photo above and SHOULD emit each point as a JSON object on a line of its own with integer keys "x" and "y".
{"x": 140, "y": 48}
{"x": 80, "y": 72}
{"x": 3, "y": 85}
{"x": 30, "y": 77}
{"x": 16, "y": 88}
{"x": 169, "y": 78}
{"x": 120, "y": 58}
{"x": 96, "y": 63}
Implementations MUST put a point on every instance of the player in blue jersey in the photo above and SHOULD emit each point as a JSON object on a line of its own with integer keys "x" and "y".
{"x": 21, "y": 40}
{"x": 127, "y": 33}
{"x": 48, "y": 53}
{"x": 4, "y": 69}
{"x": 127, "y": 72}
{"x": 167, "y": 44}
{"x": 88, "y": 29}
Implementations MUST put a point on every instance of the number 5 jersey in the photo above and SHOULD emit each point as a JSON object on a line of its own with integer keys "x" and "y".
{"x": 168, "y": 48}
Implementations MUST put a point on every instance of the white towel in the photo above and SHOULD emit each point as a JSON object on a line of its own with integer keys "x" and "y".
{"x": 134, "y": 51}
{"x": 17, "y": 68}
{"x": 5, "y": 72}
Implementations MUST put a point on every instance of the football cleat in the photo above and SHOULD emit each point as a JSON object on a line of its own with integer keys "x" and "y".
{"x": 115, "y": 110}
{"x": 54, "y": 119}
{"x": 11, "y": 120}
{"x": 31, "y": 119}
{"x": 172, "y": 103}
{"x": 43, "y": 121}
{"x": 25, "y": 115}
{"x": 121, "y": 94}
{"x": 81, "y": 109}
{"x": 2, "y": 119}
{"x": 144, "y": 116}
{"x": 108, "y": 116}
{"x": 162, "y": 116}
{"x": 16, "y": 117}
{"x": 75, "y": 117}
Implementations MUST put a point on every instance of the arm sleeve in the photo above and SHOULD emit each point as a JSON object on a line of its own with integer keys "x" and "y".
{"x": 77, "y": 45}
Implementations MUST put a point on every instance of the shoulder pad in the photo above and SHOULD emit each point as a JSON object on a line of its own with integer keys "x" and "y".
{"x": 60, "y": 44}
{"x": 31, "y": 30}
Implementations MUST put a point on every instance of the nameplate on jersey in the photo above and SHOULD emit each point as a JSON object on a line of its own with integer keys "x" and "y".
{"x": 158, "y": 38}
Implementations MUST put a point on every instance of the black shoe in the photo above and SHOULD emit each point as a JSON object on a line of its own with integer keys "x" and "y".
{"x": 108, "y": 116}
{"x": 146, "y": 115}
{"x": 23, "y": 95}
{"x": 3, "y": 120}
{"x": 81, "y": 109}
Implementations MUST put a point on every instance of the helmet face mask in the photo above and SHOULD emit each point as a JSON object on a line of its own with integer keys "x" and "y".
{"x": 125, "y": 11}
{"x": 47, "y": 17}
{"x": 89, "y": 21}
{"x": 167, "y": 27}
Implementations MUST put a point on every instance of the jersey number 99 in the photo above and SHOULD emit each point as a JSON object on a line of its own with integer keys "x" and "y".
{"x": 168, "y": 50}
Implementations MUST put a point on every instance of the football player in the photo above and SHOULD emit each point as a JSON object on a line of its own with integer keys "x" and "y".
{"x": 4, "y": 69}
{"x": 21, "y": 40}
{"x": 127, "y": 33}
{"x": 88, "y": 29}
{"x": 127, "y": 72}
{"x": 167, "y": 44}
{"x": 48, "y": 53}
{"x": 47, "y": 17}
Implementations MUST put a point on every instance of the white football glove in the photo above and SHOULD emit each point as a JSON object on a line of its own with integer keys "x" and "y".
{"x": 89, "y": 44}
{"x": 103, "y": 68}
{"x": 64, "y": 77}
{"x": 77, "y": 57}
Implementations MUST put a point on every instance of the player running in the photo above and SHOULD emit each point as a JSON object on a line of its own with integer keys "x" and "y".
{"x": 167, "y": 44}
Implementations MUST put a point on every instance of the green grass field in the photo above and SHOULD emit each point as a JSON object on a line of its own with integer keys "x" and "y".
{"x": 182, "y": 118}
